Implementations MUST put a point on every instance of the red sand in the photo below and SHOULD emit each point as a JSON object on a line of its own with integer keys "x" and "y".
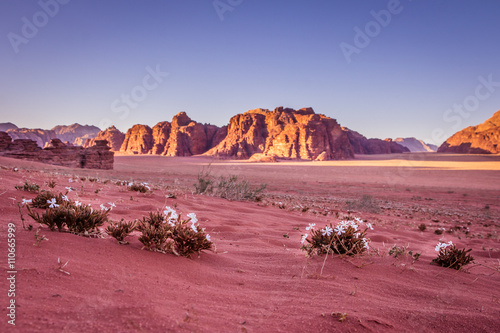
{"x": 257, "y": 280}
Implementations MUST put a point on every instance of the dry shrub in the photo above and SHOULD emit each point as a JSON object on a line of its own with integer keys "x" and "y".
{"x": 121, "y": 230}
{"x": 451, "y": 257}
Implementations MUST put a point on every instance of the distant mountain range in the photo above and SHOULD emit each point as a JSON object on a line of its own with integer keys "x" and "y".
{"x": 415, "y": 145}
{"x": 75, "y": 134}
{"x": 479, "y": 139}
{"x": 282, "y": 133}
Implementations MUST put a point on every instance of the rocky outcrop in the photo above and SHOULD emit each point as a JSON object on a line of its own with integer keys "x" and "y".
{"x": 58, "y": 153}
{"x": 4, "y": 127}
{"x": 181, "y": 137}
{"x": 40, "y": 136}
{"x": 114, "y": 137}
{"x": 362, "y": 145}
{"x": 138, "y": 140}
{"x": 415, "y": 145}
{"x": 284, "y": 133}
{"x": 480, "y": 139}
{"x": 76, "y": 134}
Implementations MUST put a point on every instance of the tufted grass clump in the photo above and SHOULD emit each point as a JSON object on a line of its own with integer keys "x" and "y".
{"x": 121, "y": 230}
{"x": 451, "y": 257}
{"x": 168, "y": 232}
{"x": 230, "y": 188}
{"x": 29, "y": 187}
{"x": 345, "y": 238}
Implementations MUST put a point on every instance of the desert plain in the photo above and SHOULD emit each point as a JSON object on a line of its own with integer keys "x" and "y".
{"x": 257, "y": 278}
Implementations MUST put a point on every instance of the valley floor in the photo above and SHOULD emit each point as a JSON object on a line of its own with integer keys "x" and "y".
{"x": 257, "y": 279}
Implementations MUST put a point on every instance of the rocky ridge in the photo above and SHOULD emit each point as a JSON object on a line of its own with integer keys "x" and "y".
{"x": 479, "y": 139}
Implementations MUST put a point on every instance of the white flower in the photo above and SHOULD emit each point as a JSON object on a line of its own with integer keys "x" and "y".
{"x": 327, "y": 231}
{"x": 365, "y": 244}
{"x": 65, "y": 198}
{"x": 193, "y": 218}
{"x": 103, "y": 207}
{"x": 130, "y": 184}
{"x": 52, "y": 203}
{"x": 112, "y": 204}
{"x": 369, "y": 225}
{"x": 170, "y": 223}
{"x": 440, "y": 246}
{"x": 70, "y": 180}
{"x": 357, "y": 219}
{"x": 311, "y": 226}
{"x": 304, "y": 237}
{"x": 208, "y": 237}
{"x": 78, "y": 203}
{"x": 25, "y": 202}
{"x": 194, "y": 228}
{"x": 69, "y": 188}
{"x": 339, "y": 230}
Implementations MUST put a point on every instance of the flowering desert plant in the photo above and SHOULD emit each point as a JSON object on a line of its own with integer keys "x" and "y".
{"x": 451, "y": 257}
{"x": 42, "y": 199}
{"x": 346, "y": 237}
{"x": 66, "y": 215}
{"x": 29, "y": 187}
{"x": 168, "y": 232}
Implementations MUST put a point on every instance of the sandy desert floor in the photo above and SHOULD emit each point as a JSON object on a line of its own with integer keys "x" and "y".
{"x": 258, "y": 279}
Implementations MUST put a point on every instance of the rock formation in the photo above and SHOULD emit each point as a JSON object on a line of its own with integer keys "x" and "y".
{"x": 4, "y": 127}
{"x": 181, "y": 137}
{"x": 284, "y": 133}
{"x": 57, "y": 153}
{"x": 415, "y": 145}
{"x": 138, "y": 140}
{"x": 479, "y": 139}
{"x": 361, "y": 145}
{"x": 112, "y": 135}
{"x": 75, "y": 134}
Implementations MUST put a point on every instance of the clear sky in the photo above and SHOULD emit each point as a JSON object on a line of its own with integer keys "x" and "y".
{"x": 383, "y": 68}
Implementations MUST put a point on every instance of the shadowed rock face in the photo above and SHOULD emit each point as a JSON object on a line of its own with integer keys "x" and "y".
{"x": 284, "y": 133}
{"x": 480, "y": 139}
{"x": 74, "y": 134}
{"x": 112, "y": 135}
{"x": 58, "y": 153}
{"x": 362, "y": 145}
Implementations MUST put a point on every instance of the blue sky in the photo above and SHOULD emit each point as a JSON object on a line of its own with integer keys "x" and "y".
{"x": 382, "y": 68}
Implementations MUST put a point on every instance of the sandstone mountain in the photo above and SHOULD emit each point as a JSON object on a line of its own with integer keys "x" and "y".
{"x": 181, "y": 137}
{"x": 479, "y": 139}
{"x": 361, "y": 145}
{"x": 415, "y": 145}
{"x": 114, "y": 137}
{"x": 285, "y": 133}
{"x": 4, "y": 127}
{"x": 75, "y": 134}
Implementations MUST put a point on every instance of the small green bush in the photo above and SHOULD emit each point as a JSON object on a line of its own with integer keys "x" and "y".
{"x": 229, "y": 188}
{"x": 29, "y": 187}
